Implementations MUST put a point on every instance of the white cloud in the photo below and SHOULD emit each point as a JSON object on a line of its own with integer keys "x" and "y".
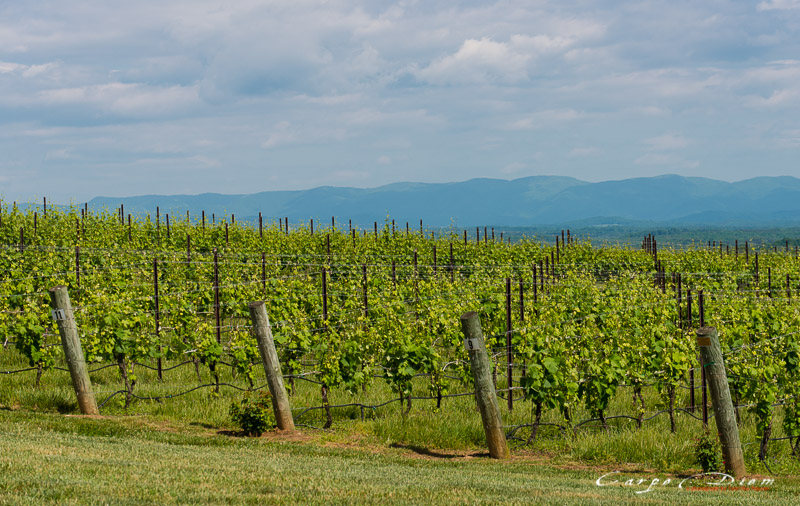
{"x": 59, "y": 154}
{"x": 668, "y": 160}
{"x": 648, "y": 110}
{"x": 443, "y": 87}
{"x": 538, "y": 44}
{"x": 29, "y": 72}
{"x": 784, "y": 72}
{"x": 542, "y": 119}
{"x": 778, "y": 5}
{"x": 371, "y": 116}
{"x": 667, "y": 142}
{"x": 282, "y": 134}
{"x": 393, "y": 143}
{"x": 343, "y": 99}
{"x": 134, "y": 100}
{"x": 478, "y": 61}
{"x": 308, "y": 132}
{"x": 655, "y": 159}
{"x": 9, "y": 67}
{"x": 679, "y": 83}
{"x": 384, "y": 160}
{"x": 788, "y": 139}
{"x": 580, "y": 152}
{"x": 513, "y": 168}
{"x": 565, "y": 34}
{"x": 778, "y": 98}
{"x": 205, "y": 161}
{"x": 357, "y": 175}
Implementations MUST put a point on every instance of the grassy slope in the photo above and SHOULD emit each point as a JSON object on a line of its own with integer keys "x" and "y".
{"x": 455, "y": 426}
{"x": 51, "y": 458}
{"x": 178, "y": 451}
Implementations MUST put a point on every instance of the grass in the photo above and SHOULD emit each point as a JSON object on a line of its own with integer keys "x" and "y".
{"x": 49, "y": 458}
{"x": 182, "y": 450}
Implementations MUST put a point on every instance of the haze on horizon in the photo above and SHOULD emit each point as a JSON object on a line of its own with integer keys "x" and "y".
{"x": 189, "y": 97}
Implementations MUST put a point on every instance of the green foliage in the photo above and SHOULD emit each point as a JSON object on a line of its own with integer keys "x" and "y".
{"x": 253, "y": 414}
{"x": 209, "y": 351}
{"x": 708, "y": 452}
{"x": 403, "y": 361}
{"x": 598, "y": 320}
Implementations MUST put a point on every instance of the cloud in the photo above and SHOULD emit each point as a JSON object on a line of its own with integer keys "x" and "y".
{"x": 770, "y": 5}
{"x": 443, "y": 87}
{"x": 667, "y": 142}
{"x": 772, "y": 85}
{"x": 513, "y": 168}
{"x": 477, "y": 61}
{"x": 286, "y": 133}
{"x": 788, "y": 139}
{"x": 541, "y": 43}
{"x": 486, "y": 60}
{"x": 282, "y": 134}
{"x": 580, "y": 152}
{"x": 135, "y": 100}
{"x": 541, "y": 119}
{"x": 59, "y": 154}
{"x": 778, "y": 98}
{"x": 655, "y": 159}
{"x": 9, "y": 67}
{"x": 50, "y": 71}
{"x": 384, "y": 160}
{"x": 666, "y": 159}
{"x": 662, "y": 151}
{"x": 371, "y": 116}
{"x": 357, "y": 175}
{"x": 393, "y": 143}
{"x": 330, "y": 100}
{"x": 648, "y": 110}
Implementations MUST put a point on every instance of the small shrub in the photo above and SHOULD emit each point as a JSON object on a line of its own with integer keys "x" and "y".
{"x": 708, "y": 452}
{"x": 253, "y": 415}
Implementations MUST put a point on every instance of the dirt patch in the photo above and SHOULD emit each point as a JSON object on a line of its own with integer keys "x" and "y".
{"x": 94, "y": 417}
{"x": 357, "y": 442}
{"x": 161, "y": 426}
{"x": 287, "y": 435}
{"x": 293, "y": 436}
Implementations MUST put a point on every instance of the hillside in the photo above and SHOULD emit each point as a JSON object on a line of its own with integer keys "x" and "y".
{"x": 537, "y": 200}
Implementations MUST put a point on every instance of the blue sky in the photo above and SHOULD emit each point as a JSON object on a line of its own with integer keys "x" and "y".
{"x": 128, "y": 98}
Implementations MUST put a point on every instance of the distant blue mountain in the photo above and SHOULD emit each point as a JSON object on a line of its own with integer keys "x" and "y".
{"x": 529, "y": 201}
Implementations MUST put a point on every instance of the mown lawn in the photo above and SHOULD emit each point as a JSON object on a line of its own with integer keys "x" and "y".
{"x": 53, "y": 458}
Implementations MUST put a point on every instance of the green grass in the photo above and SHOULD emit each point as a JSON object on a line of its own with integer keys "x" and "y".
{"x": 51, "y": 458}
{"x": 182, "y": 450}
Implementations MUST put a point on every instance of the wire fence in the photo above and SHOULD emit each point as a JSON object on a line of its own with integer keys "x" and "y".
{"x": 253, "y": 270}
{"x": 512, "y": 431}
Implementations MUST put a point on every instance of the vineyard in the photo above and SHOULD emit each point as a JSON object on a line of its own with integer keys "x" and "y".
{"x": 366, "y": 321}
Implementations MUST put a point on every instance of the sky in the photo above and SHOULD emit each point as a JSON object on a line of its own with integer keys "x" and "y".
{"x": 184, "y": 97}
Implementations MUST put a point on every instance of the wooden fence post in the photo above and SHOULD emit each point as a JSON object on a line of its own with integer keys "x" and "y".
{"x": 485, "y": 393}
{"x": 272, "y": 367}
{"x": 65, "y": 319}
{"x": 157, "y": 315}
{"x": 714, "y": 365}
{"x": 509, "y": 353}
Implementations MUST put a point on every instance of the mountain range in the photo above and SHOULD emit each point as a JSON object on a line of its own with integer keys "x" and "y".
{"x": 529, "y": 201}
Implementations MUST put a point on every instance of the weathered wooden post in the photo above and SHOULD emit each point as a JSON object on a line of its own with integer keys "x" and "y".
{"x": 714, "y": 365}
{"x": 65, "y": 319}
{"x": 485, "y": 393}
{"x": 509, "y": 350}
{"x": 272, "y": 367}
